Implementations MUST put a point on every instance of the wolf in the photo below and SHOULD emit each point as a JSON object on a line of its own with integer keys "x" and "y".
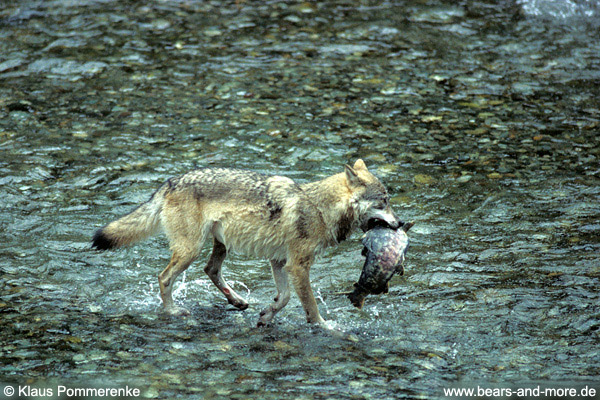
{"x": 260, "y": 215}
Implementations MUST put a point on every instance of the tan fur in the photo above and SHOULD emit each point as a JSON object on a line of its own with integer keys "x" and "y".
{"x": 265, "y": 216}
{"x": 138, "y": 225}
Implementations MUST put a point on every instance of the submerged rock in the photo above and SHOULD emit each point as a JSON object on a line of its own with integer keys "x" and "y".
{"x": 59, "y": 66}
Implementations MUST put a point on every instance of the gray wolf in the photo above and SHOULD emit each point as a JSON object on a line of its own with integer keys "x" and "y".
{"x": 259, "y": 215}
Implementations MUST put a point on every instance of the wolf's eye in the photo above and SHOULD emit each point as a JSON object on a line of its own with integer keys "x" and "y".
{"x": 382, "y": 203}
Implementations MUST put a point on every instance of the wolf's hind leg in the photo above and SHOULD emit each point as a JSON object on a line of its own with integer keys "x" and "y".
{"x": 183, "y": 224}
{"x": 280, "y": 276}
{"x": 213, "y": 270}
{"x": 179, "y": 263}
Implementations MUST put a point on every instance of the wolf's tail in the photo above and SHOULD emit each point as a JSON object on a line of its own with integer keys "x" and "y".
{"x": 133, "y": 227}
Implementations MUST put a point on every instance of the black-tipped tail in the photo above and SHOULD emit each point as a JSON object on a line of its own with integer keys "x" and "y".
{"x": 101, "y": 242}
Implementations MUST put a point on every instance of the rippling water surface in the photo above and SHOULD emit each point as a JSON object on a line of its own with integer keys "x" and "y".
{"x": 482, "y": 119}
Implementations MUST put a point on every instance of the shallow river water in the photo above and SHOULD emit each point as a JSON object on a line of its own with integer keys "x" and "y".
{"x": 481, "y": 118}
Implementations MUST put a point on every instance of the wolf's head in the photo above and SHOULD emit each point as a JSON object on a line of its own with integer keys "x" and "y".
{"x": 371, "y": 200}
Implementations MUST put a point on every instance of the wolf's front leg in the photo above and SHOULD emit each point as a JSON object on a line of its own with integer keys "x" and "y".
{"x": 280, "y": 276}
{"x": 299, "y": 269}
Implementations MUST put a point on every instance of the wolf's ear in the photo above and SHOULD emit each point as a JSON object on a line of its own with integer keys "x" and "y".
{"x": 360, "y": 164}
{"x": 352, "y": 176}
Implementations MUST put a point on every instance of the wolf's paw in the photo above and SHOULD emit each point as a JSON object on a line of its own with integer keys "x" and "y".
{"x": 261, "y": 323}
{"x": 177, "y": 311}
{"x": 330, "y": 329}
{"x": 239, "y": 304}
{"x": 265, "y": 317}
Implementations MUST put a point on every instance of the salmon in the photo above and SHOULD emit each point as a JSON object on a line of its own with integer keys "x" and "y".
{"x": 385, "y": 250}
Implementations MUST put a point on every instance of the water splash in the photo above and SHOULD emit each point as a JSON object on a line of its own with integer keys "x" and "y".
{"x": 181, "y": 289}
{"x": 233, "y": 284}
{"x": 319, "y": 297}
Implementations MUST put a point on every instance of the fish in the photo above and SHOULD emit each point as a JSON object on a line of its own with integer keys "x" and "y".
{"x": 385, "y": 250}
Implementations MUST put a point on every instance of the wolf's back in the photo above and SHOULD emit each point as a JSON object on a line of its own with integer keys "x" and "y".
{"x": 133, "y": 227}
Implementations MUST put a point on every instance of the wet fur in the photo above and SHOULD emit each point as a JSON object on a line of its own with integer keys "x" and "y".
{"x": 245, "y": 212}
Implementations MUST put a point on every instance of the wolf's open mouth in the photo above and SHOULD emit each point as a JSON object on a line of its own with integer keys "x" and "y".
{"x": 378, "y": 222}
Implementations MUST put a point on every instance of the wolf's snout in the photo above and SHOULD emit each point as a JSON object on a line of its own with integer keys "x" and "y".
{"x": 394, "y": 223}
